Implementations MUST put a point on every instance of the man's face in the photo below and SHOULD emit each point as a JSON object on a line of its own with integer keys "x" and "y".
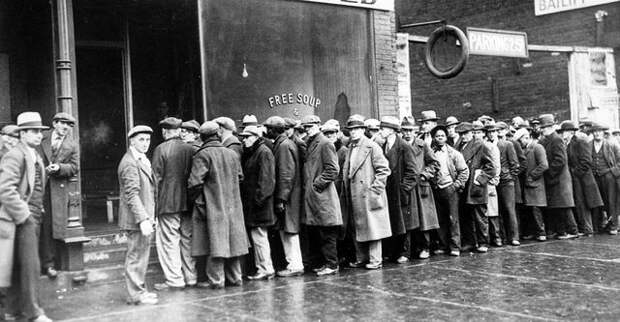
{"x": 427, "y": 126}
{"x": 188, "y": 136}
{"x": 451, "y": 130}
{"x": 372, "y": 132}
{"x": 407, "y": 134}
{"x": 356, "y": 133}
{"x": 502, "y": 132}
{"x": 467, "y": 136}
{"x": 61, "y": 127}
{"x": 598, "y": 135}
{"x": 31, "y": 137}
{"x": 491, "y": 135}
{"x": 332, "y": 136}
{"x": 141, "y": 142}
{"x": 311, "y": 129}
{"x": 440, "y": 137}
{"x": 478, "y": 134}
{"x": 249, "y": 140}
{"x": 386, "y": 131}
{"x": 547, "y": 130}
{"x": 525, "y": 139}
{"x": 271, "y": 134}
{"x": 567, "y": 135}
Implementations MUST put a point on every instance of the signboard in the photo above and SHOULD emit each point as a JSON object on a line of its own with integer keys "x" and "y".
{"x": 403, "y": 74}
{"x": 545, "y": 7}
{"x": 502, "y": 43}
{"x": 387, "y": 5}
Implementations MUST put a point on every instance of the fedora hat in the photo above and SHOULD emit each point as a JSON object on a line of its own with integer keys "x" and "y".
{"x": 372, "y": 124}
{"x": 568, "y": 126}
{"x": 10, "y": 130}
{"x": 464, "y": 127}
{"x": 356, "y": 121}
{"x": 30, "y": 120}
{"x": 390, "y": 122}
{"x": 546, "y": 120}
{"x": 310, "y": 120}
{"x": 477, "y": 126}
{"x": 330, "y": 126}
{"x": 429, "y": 116}
{"x": 249, "y": 120}
{"x": 408, "y": 123}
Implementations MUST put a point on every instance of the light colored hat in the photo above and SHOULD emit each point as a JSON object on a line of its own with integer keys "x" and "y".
{"x": 485, "y": 119}
{"x": 408, "y": 123}
{"x": 209, "y": 128}
{"x": 429, "y": 116}
{"x": 357, "y": 121}
{"x": 477, "y": 126}
{"x": 330, "y": 126}
{"x": 191, "y": 125}
{"x": 249, "y": 120}
{"x": 390, "y": 122}
{"x": 139, "y": 129}
{"x": 614, "y": 131}
{"x": 251, "y": 130}
{"x": 310, "y": 119}
{"x": 275, "y": 121}
{"x": 371, "y": 124}
{"x": 11, "y": 130}
{"x": 30, "y": 120}
{"x": 520, "y": 133}
{"x": 464, "y": 127}
{"x": 65, "y": 117}
{"x": 226, "y": 123}
{"x": 451, "y": 120}
{"x": 290, "y": 123}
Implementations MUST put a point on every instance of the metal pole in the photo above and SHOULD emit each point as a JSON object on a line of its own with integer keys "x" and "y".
{"x": 426, "y": 23}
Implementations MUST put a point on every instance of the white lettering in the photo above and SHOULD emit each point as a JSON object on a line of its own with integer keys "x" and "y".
{"x": 271, "y": 102}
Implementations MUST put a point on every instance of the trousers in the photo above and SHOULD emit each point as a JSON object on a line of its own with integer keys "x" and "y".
{"x": 369, "y": 251}
{"x": 136, "y": 263}
{"x": 449, "y": 233}
{"x": 322, "y": 242}
{"x": 507, "y": 209}
{"x": 220, "y": 270}
{"x": 174, "y": 245}
{"x": 262, "y": 251}
{"x": 292, "y": 251}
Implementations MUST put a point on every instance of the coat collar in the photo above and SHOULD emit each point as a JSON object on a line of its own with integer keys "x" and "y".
{"x": 30, "y": 163}
{"x": 142, "y": 166}
{"x": 364, "y": 148}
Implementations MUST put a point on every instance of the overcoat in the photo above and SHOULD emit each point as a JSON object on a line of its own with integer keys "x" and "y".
{"x": 399, "y": 187}
{"x": 219, "y": 228}
{"x": 258, "y": 186}
{"x": 558, "y": 183}
{"x": 534, "y": 193}
{"x": 17, "y": 171}
{"x": 480, "y": 162}
{"x": 321, "y": 203}
{"x": 508, "y": 161}
{"x": 492, "y": 200}
{"x": 579, "y": 156}
{"x": 67, "y": 158}
{"x": 233, "y": 143}
{"x": 364, "y": 195}
{"x": 611, "y": 153}
{"x": 136, "y": 192}
{"x": 172, "y": 161}
{"x": 522, "y": 166}
{"x": 422, "y": 200}
{"x": 288, "y": 183}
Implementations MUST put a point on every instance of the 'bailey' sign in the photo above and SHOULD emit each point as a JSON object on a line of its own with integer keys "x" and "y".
{"x": 545, "y": 7}
{"x": 387, "y": 5}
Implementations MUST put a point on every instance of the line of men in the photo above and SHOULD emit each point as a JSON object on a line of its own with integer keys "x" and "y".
{"x": 305, "y": 197}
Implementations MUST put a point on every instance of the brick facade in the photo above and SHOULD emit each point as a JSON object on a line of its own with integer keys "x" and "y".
{"x": 384, "y": 24}
{"x": 524, "y": 87}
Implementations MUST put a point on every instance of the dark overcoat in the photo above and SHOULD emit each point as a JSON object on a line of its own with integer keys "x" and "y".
{"x": 233, "y": 143}
{"x": 508, "y": 161}
{"x": 522, "y": 167}
{"x": 481, "y": 169}
{"x": 399, "y": 187}
{"x": 558, "y": 183}
{"x": 579, "y": 153}
{"x": 422, "y": 200}
{"x": 219, "y": 228}
{"x": 171, "y": 163}
{"x": 534, "y": 193}
{"x": 258, "y": 185}
{"x": 363, "y": 196}
{"x": 288, "y": 183}
{"x": 59, "y": 187}
{"x": 321, "y": 203}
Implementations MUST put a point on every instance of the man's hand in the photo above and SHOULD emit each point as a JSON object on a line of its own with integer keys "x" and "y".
{"x": 53, "y": 168}
{"x": 280, "y": 207}
{"x": 146, "y": 227}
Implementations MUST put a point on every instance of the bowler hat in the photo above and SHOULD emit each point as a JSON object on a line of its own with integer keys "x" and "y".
{"x": 546, "y": 120}
{"x": 30, "y": 120}
{"x": 275, "y": 121}
{"x": 310, "y": 119}
{"x": 429, "y": 116}
{"x": 451, "y": 120}
{"x": 372, "y": 124}
{"x": 568, "y": 126}
{"x": 139, "y": 129}
{"x": 356, "y": 121}
{"x": 11, "y": 130}
{"x": 191, "y": 125}
{"x": 407, "y": 123}
{"x": 170, "y": 123}
{"x": 390, "y": 122}
{"x": 226, "y": 123}
{"x": 330, "y": 126}
{"x": 64, "y": 117}
{"x": 209, "y": 128}
{"x": 251, "y": 130}
{"x": 464, "y": 127}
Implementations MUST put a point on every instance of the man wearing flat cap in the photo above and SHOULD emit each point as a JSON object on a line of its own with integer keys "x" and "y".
{"x": 10, "y": 138}
{"x": 606, "y": 167}
{"x": 136, "y": 212}
{"x": 22, "y": 189}
{"x": 60, "y": 155}
{"x": 219, "y": 228}
{"x": 227, "y": 136}
{"x": 507, "y": 187}
{"x": 172, "y": 161}
{"x": 190, "y": 134}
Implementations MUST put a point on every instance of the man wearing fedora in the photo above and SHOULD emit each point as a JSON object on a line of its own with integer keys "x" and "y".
{"x": 585, "y": 190}
{"x": 428, "y": 121}
{"x": 558, "y": 182}
{"x": 407, "y": 129}
{"x": 453, "y": 136}
{"x": 136, "y": 212}
{"x": 172, "y": 162}
{"x": 606, "y": 167}
{"x": 22, "y": 189}
{"x": 60, "y": 156}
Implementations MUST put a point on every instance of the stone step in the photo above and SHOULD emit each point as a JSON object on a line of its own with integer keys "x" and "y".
{"x": 109, "y": 256}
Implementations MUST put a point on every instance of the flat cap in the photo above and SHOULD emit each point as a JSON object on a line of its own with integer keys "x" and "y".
{"x": 310, "y": 119}
{"x": 65, "y": 117}
{"x": 209, "y": 128}
{"x": 390, "y": 122}
{"x": 251, "y": 130}
{"x": 139, "y": 129}
{"x": 290, "y": 123}
{"x": 170, "y": 123}
{"x": 372, "y": 124}
{"x": 275, "y": 121}
{"x": 357, "y": 121}
{"x": 11, "y": 130}
{"x": 226, "y": 123}
{"x": 330, "y": 126}
{"x": 191, "y": 125}
{"x": 464, "y": 127}
{"x": 249, "y": 120}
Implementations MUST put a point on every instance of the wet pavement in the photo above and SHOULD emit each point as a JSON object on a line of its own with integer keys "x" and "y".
{"x": 555, "y": 280}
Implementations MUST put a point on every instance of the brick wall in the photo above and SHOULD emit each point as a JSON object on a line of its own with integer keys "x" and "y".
{"x": 527, "y": 91}
{"x": 385, "y": 62}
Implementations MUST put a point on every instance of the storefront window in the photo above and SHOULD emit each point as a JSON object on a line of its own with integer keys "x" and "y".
{"x": 287, "y": 58}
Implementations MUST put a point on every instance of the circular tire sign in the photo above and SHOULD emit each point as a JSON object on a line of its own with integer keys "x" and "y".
{"x": 446, "y": 41}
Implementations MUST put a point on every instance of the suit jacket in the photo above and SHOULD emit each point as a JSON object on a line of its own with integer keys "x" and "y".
{"x": 534, "y": 193}
{"x": 579, "y": 156}
{"x": 137, "y": 192}
{"x": 172, "y": 162}
{"x": 558, "y": 181}
{"x": 17, "y": 175}
{"x": 508, "y": 160}
{"x": 62, "y": 186}
{"x": 477, "y": 157}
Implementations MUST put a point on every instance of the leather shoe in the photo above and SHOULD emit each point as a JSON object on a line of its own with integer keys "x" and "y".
{"x": 165, "y": 287}
{"x": 318, "y": 269}
{"x": 371, "y": 266}
{"x": 402, "y": 260}
{"x": 357, "y": 264}
{"x": 144, "y": 300}
{"x": 455, "y": 253}
{"x": 423, "y": 254}
{"x": 289, "y": 273}
{"x": 261, "y": 276}
{"x": 482, "y": 249}
{"x": 51, "y": 273}
{"x": 42, "y": 318}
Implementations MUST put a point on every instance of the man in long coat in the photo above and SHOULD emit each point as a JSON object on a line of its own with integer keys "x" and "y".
{"x": 478, "y": 158}
{"x": 322, "y": 213}
{"x": 172, "y": 161}
{"x": 227, "y": 134}
{"x": 365, "y": 173}
{"x": 60, "y": 156}
{"x": 22, "y": 186}
{"x": 506, "y": 189}
{"x": 214, "y": 186}
{"x": 534, "y": 194}
{"x": 287, "y": 195}
{"x": 398, "y": 188}
{"x": 606, "y": 166}
{"x": 558, "y": 182}
{"x": 586, "y": 194}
